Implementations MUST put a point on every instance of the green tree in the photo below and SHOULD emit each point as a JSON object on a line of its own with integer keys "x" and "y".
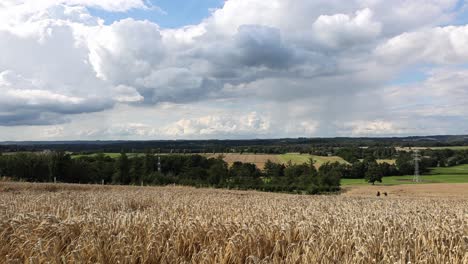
{"x": 273, "y": 169}
{"x": 405, "y": 163}
{"x": 136, "y": 170}
{"x": 149, "y": 163}
{"x": 59, "y": 164}
{"x": 374, "y": 173}
{"x": 217, "y": 172}
{"x": 122, "y": 170}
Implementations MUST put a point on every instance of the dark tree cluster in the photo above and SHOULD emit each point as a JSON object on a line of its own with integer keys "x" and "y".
{"x": 369, "y": 170}
{"x": 353, "y": 154}
{"x": 446, "y": 157}
{"x": 190, "y": 170}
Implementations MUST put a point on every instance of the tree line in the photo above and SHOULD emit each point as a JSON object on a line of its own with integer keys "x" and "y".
{"x": 319, "y": 146}
{"x": 198, "y": 170}
{"x": 190, "y": 170}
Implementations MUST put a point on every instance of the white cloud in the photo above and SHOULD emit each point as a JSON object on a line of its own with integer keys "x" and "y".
{"x": 440, "y": 45}
{"x": 171, "y": 84}
{"x": 126, "y": 50}
{"x": 343, "y": 31}
{"x": 127, "y": 94}
{"x": 216, "y": 125}
{"x": 24, "y": 101}
{"x": 109, "y": 5}
{"x": 442, "y": 94}
{"x": 364, "y": 128}
{"x": 252, "y": 68}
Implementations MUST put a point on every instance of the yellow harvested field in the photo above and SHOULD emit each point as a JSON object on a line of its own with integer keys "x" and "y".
{"x": 42, "y": 223}
{"x": 305, "y": 158}
{"x": 258, "y": 159}
{"x": 388, "y": 161}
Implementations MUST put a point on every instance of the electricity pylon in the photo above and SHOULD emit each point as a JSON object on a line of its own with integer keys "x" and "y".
{"x": 417, "y": 159}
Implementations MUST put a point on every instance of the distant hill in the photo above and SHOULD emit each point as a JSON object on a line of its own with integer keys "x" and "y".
{"x": 281, "y": 145}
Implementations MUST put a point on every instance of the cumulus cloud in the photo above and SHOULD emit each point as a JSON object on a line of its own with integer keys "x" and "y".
{"x": 442, "y": 94}
{"x": 171, "y": 84}
{"x": 46, "y": 71}
{"x": 126, "y": 50}
{"x": 261, "y": 46}
{"x": 440, "y": 45}
{"x": 26, "y": 101}
{"x": 332, "y": 60}
{"x": 342, "y": 31}
{"x": 216, "y": 125}
{"x": 109, "y": 5}
{"x": 371, "y": 128}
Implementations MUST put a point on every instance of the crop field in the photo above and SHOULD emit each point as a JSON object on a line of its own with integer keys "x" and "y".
{"x": 42, "y": 223}
{"x": 260, "y": 159}
{"x": 380, "y": 161}
{"x": 446, "y": 190}
{"x": 304, "y": 158}
{"x": 456, "y": 174}
{"x": 388, "y": 161}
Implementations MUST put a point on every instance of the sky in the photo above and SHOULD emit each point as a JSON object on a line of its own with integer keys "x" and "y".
{"x": 214, "y": 69}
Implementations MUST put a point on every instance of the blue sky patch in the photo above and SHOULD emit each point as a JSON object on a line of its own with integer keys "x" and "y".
{"x": 169, "y": 14}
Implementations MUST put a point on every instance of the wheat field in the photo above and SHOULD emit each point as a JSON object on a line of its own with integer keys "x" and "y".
{"x": 94, "y": 224}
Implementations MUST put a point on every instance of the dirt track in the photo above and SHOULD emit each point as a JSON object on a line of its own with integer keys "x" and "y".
{"x": 455, "y": 190}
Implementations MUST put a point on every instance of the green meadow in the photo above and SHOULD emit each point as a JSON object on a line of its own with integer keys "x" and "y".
{"x": 456, "y": 174}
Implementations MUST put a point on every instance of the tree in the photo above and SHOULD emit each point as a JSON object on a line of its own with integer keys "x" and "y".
{"x": 136, "y": 170}
{"x": 149, "y": 163}
{"x": 59, "y": 163}
{"x": 373, "y": 173}
{"x": 245, "y": 175}
{"x": 358, "y": 170}
{"x": 217, "y": 172}
{"x": 273, "y": 169}
{"x": 405, "y": 163}
{"x": 122, "y": 170}
{"x": 329, "y": 176}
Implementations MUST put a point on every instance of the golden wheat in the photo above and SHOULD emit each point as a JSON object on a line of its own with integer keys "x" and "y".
{"x": 94, "y": 224}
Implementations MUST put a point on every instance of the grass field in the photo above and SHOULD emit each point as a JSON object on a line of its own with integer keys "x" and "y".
{"x": 111, "y": 155}
{"x": 434, "y": 148}
{"x": 456, "y": 174}
{"x": 47, "y": 223}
